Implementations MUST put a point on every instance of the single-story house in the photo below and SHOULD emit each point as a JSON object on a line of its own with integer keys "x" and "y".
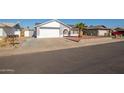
{"x": 118, "y": 32}
{"x": 99, "y": 30}
{"x": 52, "y": 29}
{"x": 9, "y": 29}
{"x": 74, "y": 30}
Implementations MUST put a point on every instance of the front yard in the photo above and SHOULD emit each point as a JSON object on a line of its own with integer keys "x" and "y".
{"x": 31, "y": 45}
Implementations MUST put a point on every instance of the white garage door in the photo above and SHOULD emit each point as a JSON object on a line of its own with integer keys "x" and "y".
{"x": 48, "y": 33}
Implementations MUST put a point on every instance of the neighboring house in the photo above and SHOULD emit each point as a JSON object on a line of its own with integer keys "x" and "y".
{"x": 99, "y": 30}
{"x": 9, "y": 29}
{"x": 52, "y": 29}
{"x": 118, "y": 31}
{"x": 74, "y": 31}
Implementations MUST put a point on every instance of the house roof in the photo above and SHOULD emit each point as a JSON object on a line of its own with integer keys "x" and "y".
{"x": 98, "y": 27}
{"x": 119, "y": 29}
{"x": 71, "y": 25}
{"x": 8, "y": 24}
{"x": 74, "y": 28}
{"x": 40, "y": 24}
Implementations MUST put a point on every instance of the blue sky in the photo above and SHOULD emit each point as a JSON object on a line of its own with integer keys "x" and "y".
{"x": 106, "y": 22}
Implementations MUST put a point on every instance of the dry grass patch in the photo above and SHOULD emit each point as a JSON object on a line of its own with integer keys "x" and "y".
{"x": 3, "y": 42}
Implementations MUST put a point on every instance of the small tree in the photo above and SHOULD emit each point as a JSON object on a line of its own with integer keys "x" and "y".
{"x": 81, "y": 27}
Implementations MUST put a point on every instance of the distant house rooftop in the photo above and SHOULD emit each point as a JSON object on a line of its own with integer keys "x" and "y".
{"x": 98, "y": 27}
{"x": 119, "y": 29}
{"x": 37, "y": 23}
{"x": 73, "y": 27}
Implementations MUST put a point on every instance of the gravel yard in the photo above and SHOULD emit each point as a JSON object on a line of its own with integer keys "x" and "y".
{"x": 39, "y": 45}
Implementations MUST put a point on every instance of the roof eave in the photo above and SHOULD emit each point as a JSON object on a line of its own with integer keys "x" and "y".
{"x": 51, "y": 21}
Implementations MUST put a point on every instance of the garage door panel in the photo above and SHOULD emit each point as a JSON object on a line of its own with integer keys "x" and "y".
{"x": 49, "y": 33}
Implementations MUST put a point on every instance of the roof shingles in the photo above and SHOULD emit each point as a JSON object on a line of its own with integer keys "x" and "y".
{"x": 7, "y": 24}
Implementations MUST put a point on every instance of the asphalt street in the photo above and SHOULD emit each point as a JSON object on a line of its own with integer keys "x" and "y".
{"x": 98, "y": 59}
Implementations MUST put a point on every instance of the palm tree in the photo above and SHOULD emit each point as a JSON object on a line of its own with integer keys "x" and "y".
{"x": 81, "y": 26}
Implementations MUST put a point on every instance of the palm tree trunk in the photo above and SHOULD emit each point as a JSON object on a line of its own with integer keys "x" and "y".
{"x": 79, "y": 33}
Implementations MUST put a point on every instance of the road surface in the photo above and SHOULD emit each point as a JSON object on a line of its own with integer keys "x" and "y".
{"x": 99, "y": 59}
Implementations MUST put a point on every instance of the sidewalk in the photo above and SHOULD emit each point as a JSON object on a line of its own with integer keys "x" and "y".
{"x": 54, "y": 44}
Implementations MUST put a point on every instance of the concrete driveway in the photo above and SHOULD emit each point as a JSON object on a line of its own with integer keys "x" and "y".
{"x": 103, "y": 59}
